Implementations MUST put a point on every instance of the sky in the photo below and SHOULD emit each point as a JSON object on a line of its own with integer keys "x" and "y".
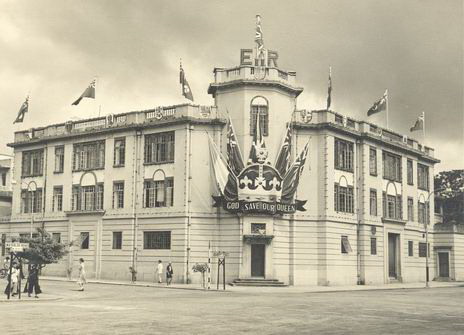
{"x": 52, "y": 50}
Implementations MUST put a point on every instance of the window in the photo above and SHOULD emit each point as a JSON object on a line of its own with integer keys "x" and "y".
{"x": 392, "y": 206}
{"x": 259, "y": 107}
{"x": 3, "y": 244}
{"x": 87, "y": 198}
{"x": 28, "y": 235}
{"x": 158, "y": 193}
{"x": 410, "y": 209}
{"x": 422, "y": 249}
{"x": 117, "y": 240}
{"x": 373, "y": 246}
{"x": 345, "y": 245}
{"x": 31, "y": 201}
{"x": 410, "y": 248}
{"x": 4, "y": 179}
{"x": 423, "y": 177}
{"x": 391, "y": 166}
{"x": 157, "y": 240}
{"x": 258, "y": 228}
{"x": 32, "y": 163}
{"x": 57, "y": 205}
{"x": 410, "y": 172}
{"x": 373, "y": 202}
{"x": 118, "y": 194}
{"x": 159, "y": 148}
{"x": 373, "y": 161}
{"x": 343, "y": 155}
{"x": 421, "y": 212}
{"x": 119, "y": 151}
{"x": 56, "y": 237}
{"x": 85, "y": 240}
{"x": 59, "y": 159}
{"x": 88, "y": 156}
{"x": 344, "y": 199}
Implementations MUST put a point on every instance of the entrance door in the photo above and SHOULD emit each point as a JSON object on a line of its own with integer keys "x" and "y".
{"x": 392, "y": 256}
{"x": 257, "y": 260}
{"x": 443, "y": 264}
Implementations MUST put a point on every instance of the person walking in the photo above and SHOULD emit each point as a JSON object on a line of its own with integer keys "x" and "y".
{"x": 169, "y": 273}
{"x": 159, "y": 270}
{"x": 81, "y": 280}
{"x": 33, "y": 281}
{"x": 14, "y": 280}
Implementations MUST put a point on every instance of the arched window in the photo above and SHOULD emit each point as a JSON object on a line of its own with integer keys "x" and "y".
{"x": 259, "y": 106}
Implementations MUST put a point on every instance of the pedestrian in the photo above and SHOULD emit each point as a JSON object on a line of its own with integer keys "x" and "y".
{"x": 6, "y": 263}
{"x": 169, "y": 273}
{"x": 14, "y": 280}
{"x": 159, "y": 270}
{"x": 81, "y": 281}
{"x": 33, "y": 281}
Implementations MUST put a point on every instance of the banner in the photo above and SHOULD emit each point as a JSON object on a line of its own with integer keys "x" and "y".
{"x": 258, "y": 207}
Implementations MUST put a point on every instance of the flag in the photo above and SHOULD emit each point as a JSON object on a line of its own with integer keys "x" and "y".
{"x": 258, "y": 143}
{"x": 186, "y": 91}
{"x": 259, "y": 35}
{"x": 292, "y": 177}
{"x": 380, "y": 105}
{"x": 234, "y": 155}
{"x": 329, "y": 89}
{"x": 419, "y": 125}
{"x": 88, "y": 93}
{"x": 220, "y": 169}
{"x": 22, "y": 111}
{"x": 283, "y": 157}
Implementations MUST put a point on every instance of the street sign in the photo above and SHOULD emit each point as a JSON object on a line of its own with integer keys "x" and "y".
{"x": 16, "y": 246}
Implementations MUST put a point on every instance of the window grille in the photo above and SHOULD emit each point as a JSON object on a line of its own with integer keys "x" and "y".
{"x": 157, "y": 240}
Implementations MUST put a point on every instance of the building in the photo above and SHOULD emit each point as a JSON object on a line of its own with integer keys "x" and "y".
{"x": 136, "y": 187}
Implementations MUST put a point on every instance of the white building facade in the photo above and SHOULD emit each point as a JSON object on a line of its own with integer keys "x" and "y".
{"x": 133, "y": 188}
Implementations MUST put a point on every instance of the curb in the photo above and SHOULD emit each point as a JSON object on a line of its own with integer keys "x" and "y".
{"x": 136, "y": 285}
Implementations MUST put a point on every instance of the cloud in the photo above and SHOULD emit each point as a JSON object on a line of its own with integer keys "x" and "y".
{"x": 413, "y": 48}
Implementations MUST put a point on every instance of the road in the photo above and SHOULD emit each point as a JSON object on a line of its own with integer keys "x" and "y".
{"x": 111, "y": 309}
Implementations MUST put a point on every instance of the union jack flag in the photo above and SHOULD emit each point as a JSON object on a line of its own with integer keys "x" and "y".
{"x": 283, "y": 157}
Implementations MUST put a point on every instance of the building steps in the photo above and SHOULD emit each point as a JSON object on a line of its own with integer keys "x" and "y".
{"x": 259, "y": 282}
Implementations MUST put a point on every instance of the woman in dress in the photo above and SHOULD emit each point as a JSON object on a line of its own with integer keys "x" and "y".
{"x": 81, "y": 281}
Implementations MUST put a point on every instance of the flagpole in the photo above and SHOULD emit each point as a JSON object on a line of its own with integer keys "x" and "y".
{"x": 387, "y": 98}
{"x": 423, "y": 128}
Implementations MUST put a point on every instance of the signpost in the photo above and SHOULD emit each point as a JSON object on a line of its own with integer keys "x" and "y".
{"x": 15, "y": 247}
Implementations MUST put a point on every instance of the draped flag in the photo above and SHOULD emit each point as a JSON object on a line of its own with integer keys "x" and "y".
{"x": 186, "y": 91}
{"x": 419, "y": 124}
{"x": 329, "y": 89}
{"x": 88, "y": 93}
{"x": 22, "y": 111}
{"x": 234, "y": 155}
{"x": 221, "y": 171}
{"x": 292, "y": 177}
{"x": 283, "y": 157}
{"x": 259, "y": 35}
{"x": 258, "y": 143}
{"x": 379, "y": 105}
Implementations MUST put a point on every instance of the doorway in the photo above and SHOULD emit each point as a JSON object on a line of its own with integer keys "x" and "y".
{"x": 393, "y": 255}
{"x": 443, "y": 264}
{"x": 258, "y": 256}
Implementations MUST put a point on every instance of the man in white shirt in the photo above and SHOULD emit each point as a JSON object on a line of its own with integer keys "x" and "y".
{"x": 159, "y": 270}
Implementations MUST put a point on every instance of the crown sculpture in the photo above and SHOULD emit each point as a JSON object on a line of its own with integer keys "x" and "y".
{"x": 257, "y": 187}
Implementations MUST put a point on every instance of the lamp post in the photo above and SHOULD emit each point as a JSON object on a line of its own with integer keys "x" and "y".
{"x": 29, "y": 189}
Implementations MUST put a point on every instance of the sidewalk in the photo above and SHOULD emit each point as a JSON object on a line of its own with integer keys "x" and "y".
{"x": 25, "y": 298}
{"x": 253, "y": 289}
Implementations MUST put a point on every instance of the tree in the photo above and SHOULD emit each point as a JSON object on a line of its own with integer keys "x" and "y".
{"x": 43, "y": 249}
{"x": 450, "y": 195}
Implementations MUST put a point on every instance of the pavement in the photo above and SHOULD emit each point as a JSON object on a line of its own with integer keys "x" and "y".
{"x": 136, "y": 309}
{"x": 292, "y": 289}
